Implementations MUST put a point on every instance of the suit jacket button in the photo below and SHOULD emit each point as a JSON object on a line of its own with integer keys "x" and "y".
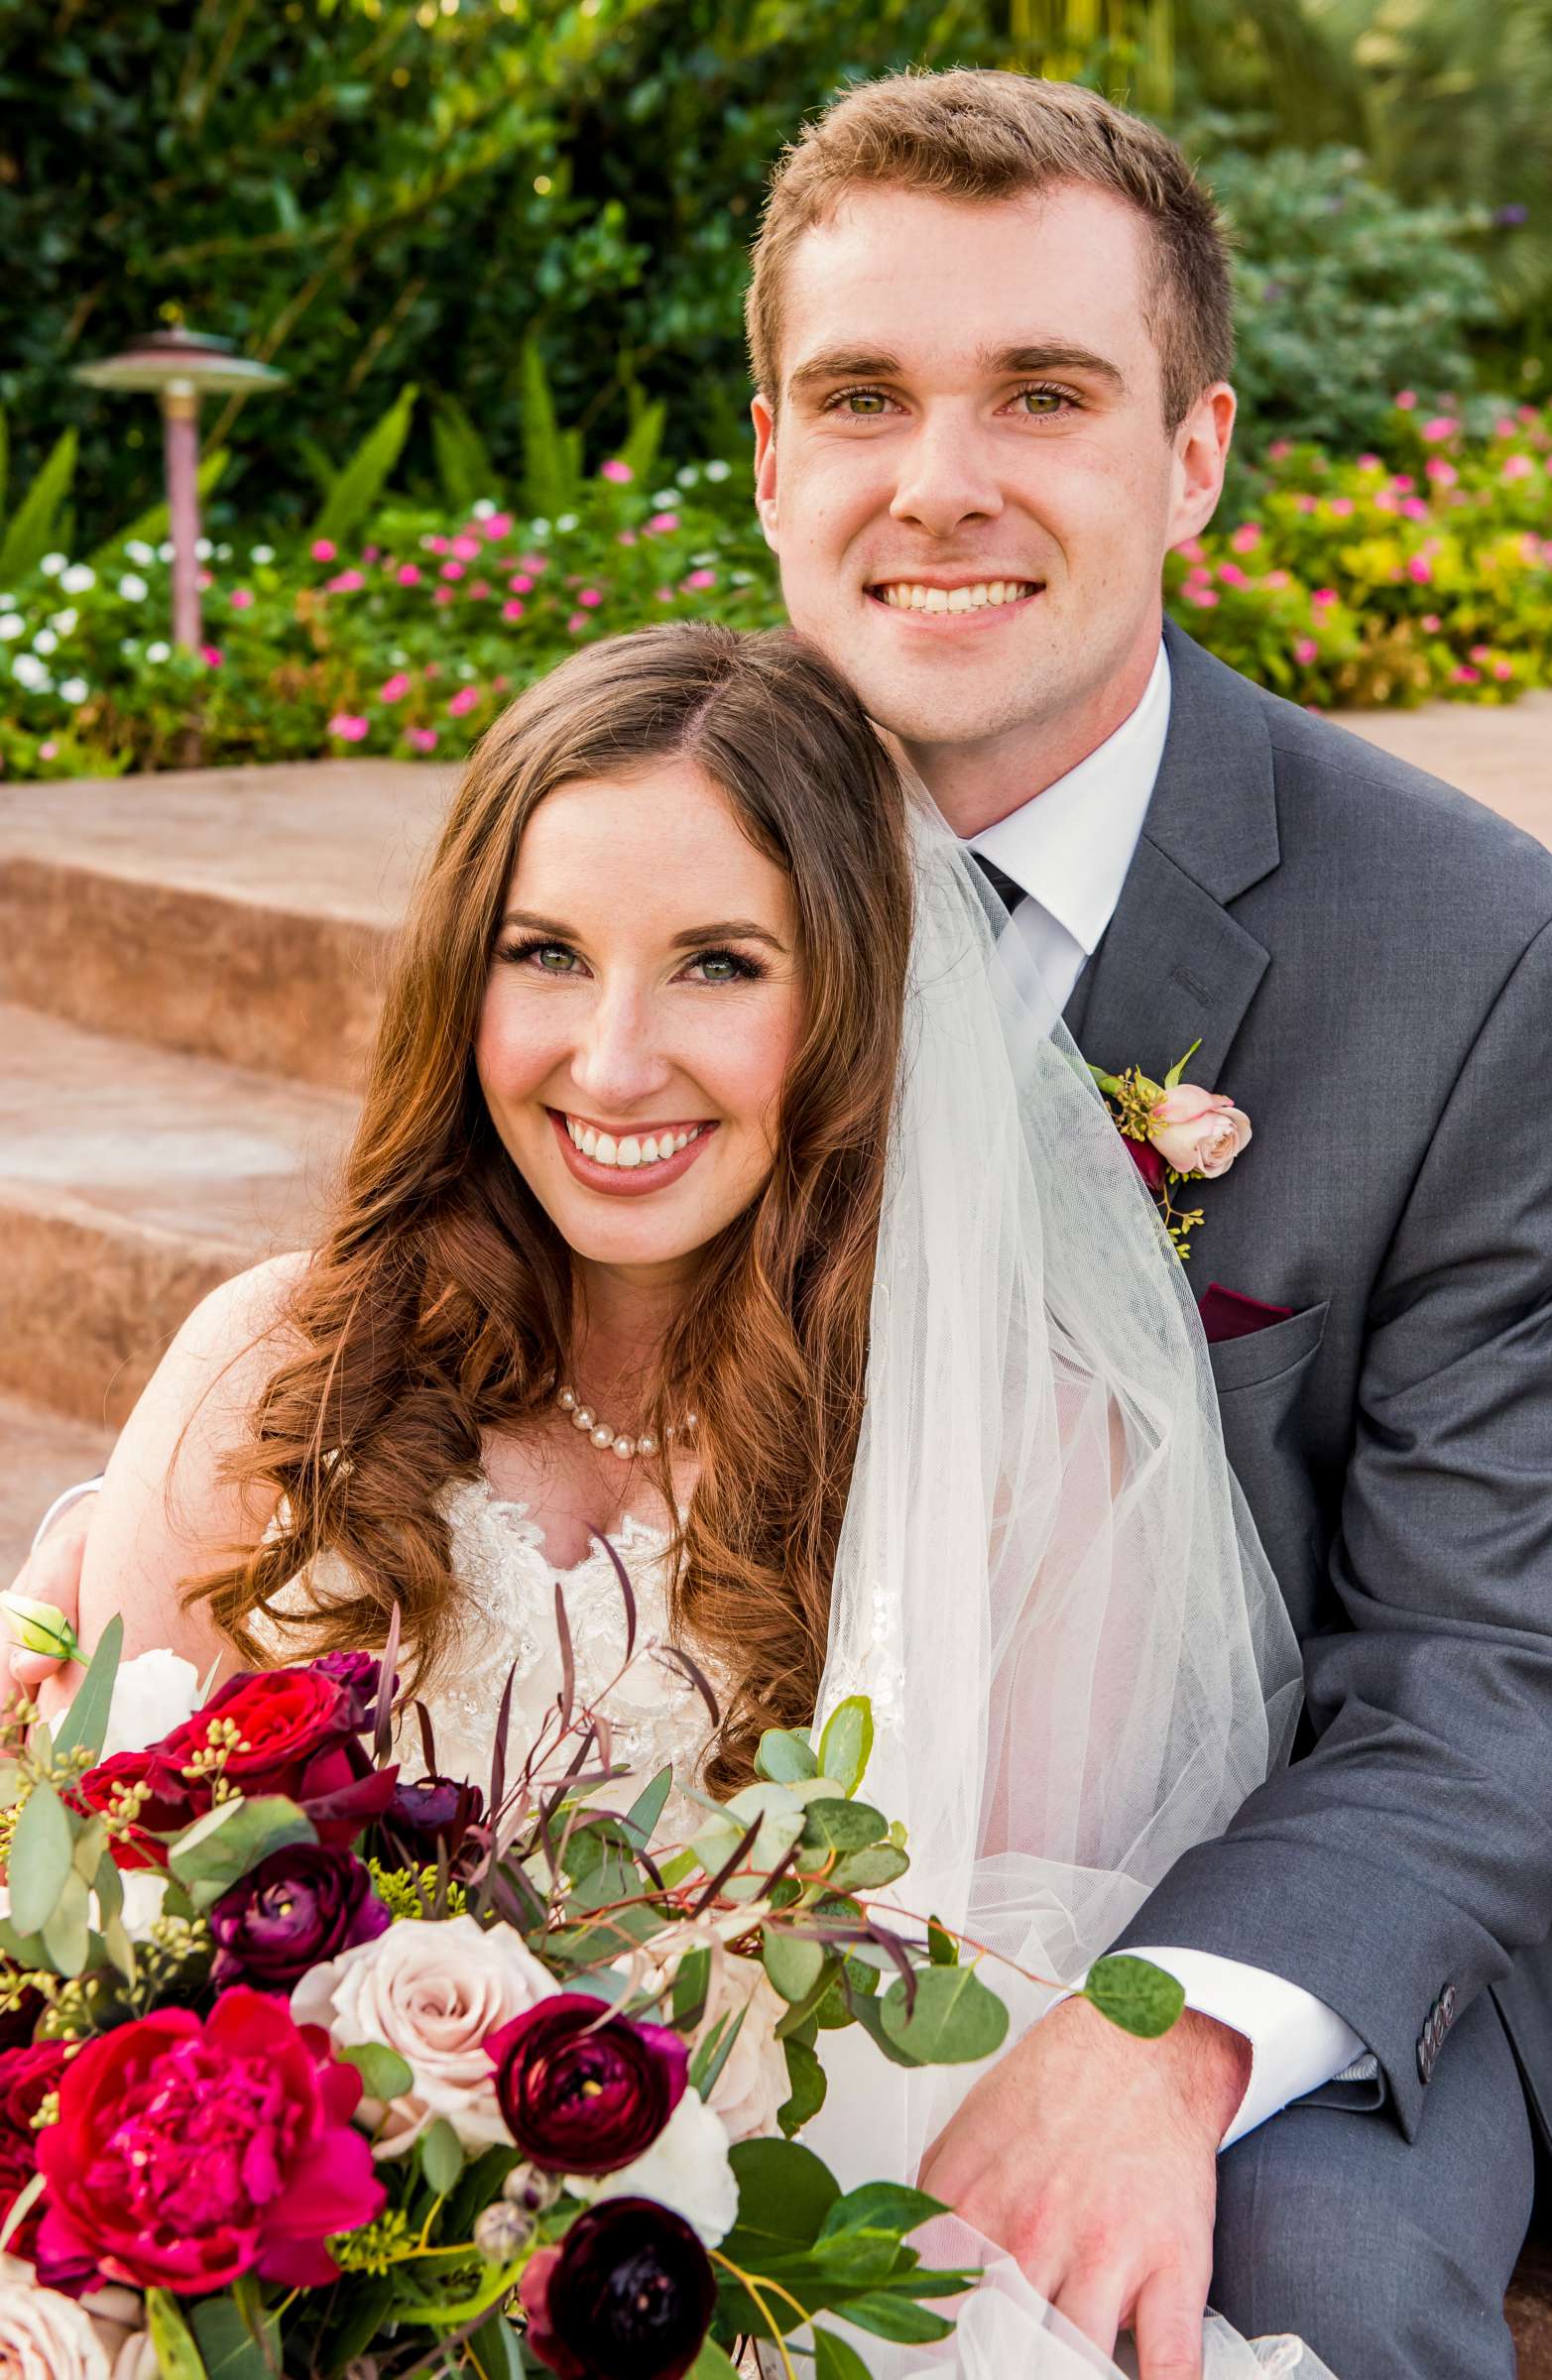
{"x": 1424, "y": 2061}
{"x": 1447, "y": 2004}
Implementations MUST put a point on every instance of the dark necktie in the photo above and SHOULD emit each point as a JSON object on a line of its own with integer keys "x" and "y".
{"x": 1002, "y": 883}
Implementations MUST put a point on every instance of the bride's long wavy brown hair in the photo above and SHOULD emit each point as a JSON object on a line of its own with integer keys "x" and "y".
{"x": 440, "y": 1302}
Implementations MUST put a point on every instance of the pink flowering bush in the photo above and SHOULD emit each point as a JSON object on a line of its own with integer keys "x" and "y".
{"x": 1420, "y": 566}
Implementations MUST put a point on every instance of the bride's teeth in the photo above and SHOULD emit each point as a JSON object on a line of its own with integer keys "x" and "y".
{"x": 590, "y": 1143}
{"x": 633, "y": 1150}
{"x": 650, "y": 1151}
{"x": 630, "y": 1151}
{"x": 606, "y": 1152}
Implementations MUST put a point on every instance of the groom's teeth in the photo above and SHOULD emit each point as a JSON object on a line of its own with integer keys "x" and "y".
{"x": 630, "y": 1151}
{"x": 906, "y": 596}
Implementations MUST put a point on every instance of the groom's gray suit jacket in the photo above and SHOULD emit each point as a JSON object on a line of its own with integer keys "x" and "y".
{"x": 1366, "y": 958}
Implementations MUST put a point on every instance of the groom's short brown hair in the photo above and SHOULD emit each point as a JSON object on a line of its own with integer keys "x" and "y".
{"x": 981, "y": 134}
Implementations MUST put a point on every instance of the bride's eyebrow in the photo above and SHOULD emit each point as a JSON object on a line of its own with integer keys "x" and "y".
{"x": 733, "y": 930}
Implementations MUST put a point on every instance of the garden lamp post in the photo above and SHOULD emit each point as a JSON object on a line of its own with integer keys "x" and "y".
{"x": 179, "y": 366}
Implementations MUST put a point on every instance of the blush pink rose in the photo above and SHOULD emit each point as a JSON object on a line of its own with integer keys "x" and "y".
{"x": 1198, "y": 1131}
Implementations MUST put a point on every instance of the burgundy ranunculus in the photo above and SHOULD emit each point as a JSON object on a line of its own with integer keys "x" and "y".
{"x": 583, "y": 2091}
{"x": 163, "y": 1813}
{"x": 27, "y": 2075}
{"x": 427, "y": 1814}
{"x": 191, "y": 2150}
{"x": 301, "y": 1905}
{"x": 359, "y": 1674}
{"x": 628, "y": 2295}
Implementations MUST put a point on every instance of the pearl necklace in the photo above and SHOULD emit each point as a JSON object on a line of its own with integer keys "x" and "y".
{"x": 582, "y": 1417}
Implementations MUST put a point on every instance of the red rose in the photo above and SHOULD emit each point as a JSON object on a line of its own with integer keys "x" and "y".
{"x": 582, "y": 2091}
{"x": 27, "y": 2075}
{"x": 628, "y": 2290}
{"x": 191, "y": 2150}
{"x": 1146, "y": 1157}
{"x": 282, "y": 1718}
{"x": 163, "y": 1813}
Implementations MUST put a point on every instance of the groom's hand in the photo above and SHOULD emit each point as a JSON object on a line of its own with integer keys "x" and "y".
{"x": 1093, "y": 2158}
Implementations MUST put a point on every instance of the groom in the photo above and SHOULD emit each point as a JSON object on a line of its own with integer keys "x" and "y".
{"x": 991, "y": 336}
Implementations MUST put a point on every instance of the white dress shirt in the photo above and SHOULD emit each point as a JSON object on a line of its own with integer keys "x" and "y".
{"x": 1070, "y": 849}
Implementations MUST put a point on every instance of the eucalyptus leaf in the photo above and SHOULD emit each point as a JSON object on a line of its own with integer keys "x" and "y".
{"x": 39, "y": 1864}
{"x": 835, "y": 2359}
{"x": 847, "y": 1742}
{"x": 441, "y": 2157}
{"x": 647, "y": 1809}
{"x": 786, "y": 1756}
{"x": 793, "y": 1963}
{"x": 875, "y": 1864}
{"x": 785, "y": 2192}
{"x": 841, "y": 1826}
{"x": 691, "y": 1983}
{"x": 178, "y": 2357}
{"x": 1135, "y": 1994}
{"x": 383, "y": 2074}
{"x": 888, "y": 2209}
{"x": 85, "y": 1723}
{"x": 896, "y": 2317}
{"x": 806, "y": 2087}
{"x": 66, "y": 1931}
{"x": 108, "y": 1885}
{"x": 10, "y": 1783}
{"x": 224, "y": 1846}
{"x": 942, "y": 1948}
{"x": 955, "y": 2021}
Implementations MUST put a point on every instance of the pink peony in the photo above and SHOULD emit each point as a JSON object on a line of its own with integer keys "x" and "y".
{"x": 241, "y": 599}
{"x": 344, "y": 582}
{"x": 1442, "y": 474}
{"x": 661, "y": 525}
{"x": 409, "y": 574}
{"x": 348, "y": 726}
{"x": 1369, "y": 463}
{"x": 1405, "y": 399}
{"x": 466, "y": 548}
{"x": 452, "y": 570}
{"x": 1443, "y": 425}
{"x": 1280, "y": 449}
{"x": 211, "y": 655}
{"x": 464, "y": 700}
{"x": 395, "y": 688}
{"x": 576, "y": 624}
{"x": 1342, "y": 506}
{"x": 191, "y": 2150}
{"x": 700, "y": 579}
{"x": 434, "y": 545}
{"x": 1503, "y": 671}
{"x": 1432, "y": 623}
{"x": 621, "y": 473}
{"x": 522, "y": 583}
{"x": 1519, "y": 466}
{"x": 532, "y": 561}
{"x": 420, "y": 739}
{"x": 499, "y": 525}
{"x": 1419, "y": 569}
{"x": 1413, "y": 508}
{"x": 1306, "y": 650}
{"x": 1247, "y": 536}
{"x": 1230, "y": 574}
{"x": 626, "y": 537}
{"x": 442, "y": 595}
{"x": 590, "y": 597}
{"x": 1204, "y": 598}
{"x": 324, "y": 549}
{"x": 1465, "y": 677}
{"x": 511, "y": 609}
{"x": 1198, "y": 1131}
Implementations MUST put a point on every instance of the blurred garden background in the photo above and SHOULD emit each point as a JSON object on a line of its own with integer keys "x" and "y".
{"x": 497, "y": 247}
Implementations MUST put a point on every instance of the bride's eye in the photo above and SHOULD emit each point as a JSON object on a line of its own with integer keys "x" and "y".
{"x": 724, "y": 967}
{"x": 543, "y": 958}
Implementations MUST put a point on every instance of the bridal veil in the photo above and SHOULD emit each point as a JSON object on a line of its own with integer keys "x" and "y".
{"x": 1047, "y": 1581}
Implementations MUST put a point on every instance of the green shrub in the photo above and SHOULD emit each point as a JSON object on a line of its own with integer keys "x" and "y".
{"x": 1381, "y": 579}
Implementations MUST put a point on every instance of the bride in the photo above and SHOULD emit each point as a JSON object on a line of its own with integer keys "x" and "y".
{"x": 715, "y": 1195}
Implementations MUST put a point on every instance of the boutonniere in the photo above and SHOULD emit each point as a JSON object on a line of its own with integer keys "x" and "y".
{"x": 1174, "y": 1133}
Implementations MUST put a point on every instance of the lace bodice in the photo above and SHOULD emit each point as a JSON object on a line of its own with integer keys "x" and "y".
{"x": 656, "y": 1715}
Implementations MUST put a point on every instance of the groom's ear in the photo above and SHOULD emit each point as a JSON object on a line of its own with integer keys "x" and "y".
{"x": 764, "y": 419}
{"x": 1201, "y": 455}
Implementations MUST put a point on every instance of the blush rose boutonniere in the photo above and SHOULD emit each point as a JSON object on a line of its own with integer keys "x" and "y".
{"x": 1174, "y": 1132}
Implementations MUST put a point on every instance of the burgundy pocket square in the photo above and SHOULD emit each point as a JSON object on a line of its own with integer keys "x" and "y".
{"x": 1227, "y": 1315}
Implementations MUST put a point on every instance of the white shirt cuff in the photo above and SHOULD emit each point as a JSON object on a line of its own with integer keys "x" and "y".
{"x": 63, "y": 1503}
{"x": 1297, "y": 2043}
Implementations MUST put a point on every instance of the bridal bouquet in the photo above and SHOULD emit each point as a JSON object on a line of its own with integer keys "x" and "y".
{"x": 312, "y": 2069}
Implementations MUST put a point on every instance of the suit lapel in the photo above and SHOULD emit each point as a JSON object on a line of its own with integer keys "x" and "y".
{"x": 1175, "y": 966}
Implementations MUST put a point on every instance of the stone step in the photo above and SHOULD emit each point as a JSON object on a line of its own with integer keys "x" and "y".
{"x": 41, "y": 1453}
{"x": 133, "y": 1179}
{"x": 242, "y": 915}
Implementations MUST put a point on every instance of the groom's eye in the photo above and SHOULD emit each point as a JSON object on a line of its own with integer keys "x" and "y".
{"x": 863, "y": 405}
{"x": 1040, "y": 400}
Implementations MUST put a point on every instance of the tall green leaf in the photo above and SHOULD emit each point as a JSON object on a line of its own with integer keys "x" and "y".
{"x": 363, "y": 479}
{"x": 641, "y": 448}
{"x": 31, "y": 533}
{"x": 86, "y": 1721}
{"x": 42, "y": 1850}
{"x": 5, "y": 462}
{"x": 463, "y": 463}
{"x": 548, "y": 481}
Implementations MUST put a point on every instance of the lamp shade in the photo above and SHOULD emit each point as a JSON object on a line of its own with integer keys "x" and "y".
{"x": 186, "y": 361}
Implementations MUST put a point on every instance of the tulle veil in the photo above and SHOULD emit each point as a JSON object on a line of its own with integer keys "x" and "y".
{"x": 1047, "y": 1581}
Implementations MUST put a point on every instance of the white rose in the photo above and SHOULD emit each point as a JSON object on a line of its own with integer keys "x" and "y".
{"x": 152, "y": 1694}
{"x": 145, "y": 1890}
{"x": 754, "y": 2083}
{"x": 43, "y": 2337}
{"x": 686, "y": 2168}
{"x": 432, "y": 1992}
